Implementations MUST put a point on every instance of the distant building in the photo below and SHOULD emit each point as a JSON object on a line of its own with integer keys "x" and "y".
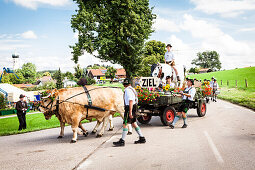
{"x": 69, "y": 83}
{"x": 205, "y": 70}
{"x": 98, "y": 73}
{"x": 16, "y": 63}
{"x": 24, "y": 86}
{"x": 43, "y": 80}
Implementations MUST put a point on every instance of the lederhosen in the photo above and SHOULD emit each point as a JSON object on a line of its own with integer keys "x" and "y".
{"x": 127, "y": 119}
{"x": 185, "y": 103}
{"x": 172, "y": 64}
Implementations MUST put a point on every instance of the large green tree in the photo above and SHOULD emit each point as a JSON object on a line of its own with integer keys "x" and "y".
{"x": 116, "y": 29}
{"x": 208, "y": 59}
{"x": 111, "y": 73}
{"x": 28, "y": 70}
{"x": 154, "y": 52}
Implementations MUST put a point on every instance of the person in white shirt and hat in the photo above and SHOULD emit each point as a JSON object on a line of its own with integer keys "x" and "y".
{"x": 169, "y": 59}
{"x": 131, "y": 101}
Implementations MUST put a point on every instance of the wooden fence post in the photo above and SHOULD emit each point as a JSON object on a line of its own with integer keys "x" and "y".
{"x": 246, "y": 83}
{"x": 236, "y": 83}
{"x": 227, "y": 82}
{"x": 220, "y": 82}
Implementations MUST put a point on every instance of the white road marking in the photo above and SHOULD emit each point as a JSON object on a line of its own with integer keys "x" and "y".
{"x": 213, "y": 147}
{"x": 85, "y": 164}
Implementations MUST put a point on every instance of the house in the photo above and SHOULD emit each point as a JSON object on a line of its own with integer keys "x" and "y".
{"x": 98, "y": 73}
{"x": 205, "y": 70}
{"x": 43, "y": 80}
{"x": 69, "y": 83}
{"x": 24, "y": 86}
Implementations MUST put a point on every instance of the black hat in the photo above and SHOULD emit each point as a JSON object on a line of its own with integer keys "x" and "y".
{"x": 168, "y": 45}
{"x": 215, "y": 79}
{"x": 205, "y": 80}
{"x": 212, "y": 78}
{"x": 22, "y": 96}
{"x": 167, "y": 77}
{"x": 191, "y": 80}
{"x": 126, "y": 81}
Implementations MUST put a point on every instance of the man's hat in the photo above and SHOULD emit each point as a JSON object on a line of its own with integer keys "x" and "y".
{"x": 191, "y": 80}
{"x": 126, "y": 81}
{"x": 215, "y": 79}
{"x": 212, "y": 78}
{"x": 22, "y": 96}
{"x": 168, "y": 45}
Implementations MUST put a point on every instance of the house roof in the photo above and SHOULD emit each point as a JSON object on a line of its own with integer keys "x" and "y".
{"x": 46, "y": 78}
{"x": 101, "y": 72}
{"x": 23, "y": 85}
{"x": 121, "y": 72}
{"x": 204, "y": 69}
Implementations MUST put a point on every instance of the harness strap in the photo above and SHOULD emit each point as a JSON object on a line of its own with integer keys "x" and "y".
{"x": 89, "y": 101}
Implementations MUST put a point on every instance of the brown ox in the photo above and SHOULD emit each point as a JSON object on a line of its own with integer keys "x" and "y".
{"x": 71, "y": 108}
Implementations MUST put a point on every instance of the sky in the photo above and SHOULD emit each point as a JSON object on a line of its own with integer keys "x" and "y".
{"x": 39, "y": 31}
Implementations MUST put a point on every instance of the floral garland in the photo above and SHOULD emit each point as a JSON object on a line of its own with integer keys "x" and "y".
{"x": 145, "y": 96}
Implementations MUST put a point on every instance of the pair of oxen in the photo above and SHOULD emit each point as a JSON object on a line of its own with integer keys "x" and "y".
{"x": 68, "y": 106}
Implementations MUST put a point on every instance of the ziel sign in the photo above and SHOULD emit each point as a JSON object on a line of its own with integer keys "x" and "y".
{"x": 149, "y": 82}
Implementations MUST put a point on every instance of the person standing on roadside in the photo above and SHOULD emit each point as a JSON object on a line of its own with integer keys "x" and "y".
{"x": 21, "y": 107}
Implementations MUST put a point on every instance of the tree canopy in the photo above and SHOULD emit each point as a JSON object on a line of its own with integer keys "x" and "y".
{"x": 28, "y": 70}
{"x": 208, "y": 59}
{"x": 116, "y": 29}
{"x": 59, "y": 78}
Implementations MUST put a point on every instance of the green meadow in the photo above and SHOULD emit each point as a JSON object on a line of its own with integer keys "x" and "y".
{"x": 230, "y": 91}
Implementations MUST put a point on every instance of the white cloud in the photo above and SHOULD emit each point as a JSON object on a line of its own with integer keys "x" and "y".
{"x": 162, "y": 24}
{"x": 247, "y": 29}
{"x": 33, "y": 4}
{"x": 233, "y": 53}
{"x": 226, "y": 8}
{"x": 29, "y": 35}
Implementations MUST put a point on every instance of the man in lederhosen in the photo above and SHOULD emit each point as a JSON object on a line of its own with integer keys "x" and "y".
{"x": 131, "y": 101}
{"x": 188, "y": 96}
{"x": 21, "y": 107}
{"x": 169, "y": 59}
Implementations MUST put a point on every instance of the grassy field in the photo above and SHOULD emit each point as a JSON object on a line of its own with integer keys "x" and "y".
{"x": 231, "y": 75}
{"x": 240, "y": 95}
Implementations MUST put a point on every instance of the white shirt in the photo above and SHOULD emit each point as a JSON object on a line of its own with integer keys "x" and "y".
{"x": 169, "y": 56}
{"x": 192, "y": 93}
{"x": 130, "y": 94}
{"x": 215, "y": 86}
{"x": 211, "y": 84}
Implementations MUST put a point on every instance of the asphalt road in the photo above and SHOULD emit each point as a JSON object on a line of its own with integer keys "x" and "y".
{"x": 223, "y": 139}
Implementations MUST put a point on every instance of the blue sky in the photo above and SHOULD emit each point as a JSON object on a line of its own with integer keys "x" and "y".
{"x": 40, "y": 32}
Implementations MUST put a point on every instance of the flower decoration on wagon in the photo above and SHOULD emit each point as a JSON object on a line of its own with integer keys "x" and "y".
{"x": 146, "y": 96}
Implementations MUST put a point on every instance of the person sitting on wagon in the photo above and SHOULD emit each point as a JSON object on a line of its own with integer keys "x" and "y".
{"x": 169, "y": 59}
{"x": 188, "y": 96}
{"x": 169, "y": 81}
{"x": 215, "y": 87}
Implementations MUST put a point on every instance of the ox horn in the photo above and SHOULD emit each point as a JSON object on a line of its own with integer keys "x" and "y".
{"x": 46, "y": 96}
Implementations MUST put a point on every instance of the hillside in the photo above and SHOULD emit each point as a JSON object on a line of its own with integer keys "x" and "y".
{"x": 232, "y": 75}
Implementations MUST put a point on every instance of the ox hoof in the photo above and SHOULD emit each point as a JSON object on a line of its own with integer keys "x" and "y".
{"x": 93, "y": 132}
{"x": 110, "y": 129}
{"x": 99, "y": 135}
{"x": 85, "y": 134}
{"x": 59, "y": 137}
{"x": 73, "y": 141}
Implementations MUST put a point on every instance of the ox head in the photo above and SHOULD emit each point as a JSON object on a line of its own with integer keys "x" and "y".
{"x": 48, "y": 103}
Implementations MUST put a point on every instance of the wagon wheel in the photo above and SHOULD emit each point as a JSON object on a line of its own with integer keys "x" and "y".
{"x": 144, "y": 119}
{"x": 167, "y": 116}
{"x": 201, "y": 109}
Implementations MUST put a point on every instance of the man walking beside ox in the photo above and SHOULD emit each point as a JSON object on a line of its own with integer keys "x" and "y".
{"x": 131, "y": 101}
{"x": 21, "y": 107}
